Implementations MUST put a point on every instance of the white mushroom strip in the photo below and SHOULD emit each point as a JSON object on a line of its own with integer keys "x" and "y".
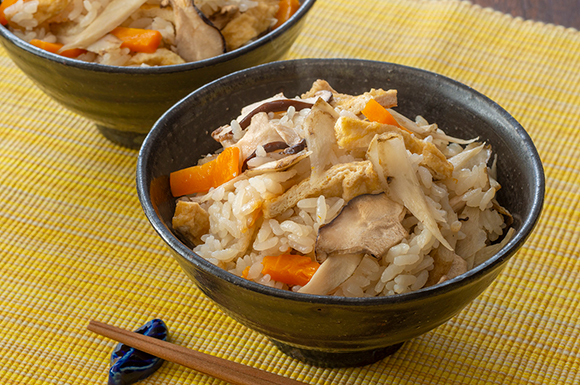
{"x": 332, "y": 273}
{"x": 346, "y": 180}
{"x": 487, "y": 252}
{"x": 421, "y": 131}
{"x": 291, "y": 135}
{"x": 458, "y": 161}
{"x": 509, "y": 220}
{"x": 259, "y": 132}
{"x": 388, "y": 154}
{"x": 196, "y": 38}
{"x": 368, "y": 224}
{"x": 355, "y": 135}
{"x": 424, "y": 131}
{"x": 320, "y": 137}
{"x": 111, "y": 17}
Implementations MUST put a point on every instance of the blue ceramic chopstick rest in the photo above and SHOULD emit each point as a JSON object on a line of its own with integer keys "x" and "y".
{"x": 129, "y": 365}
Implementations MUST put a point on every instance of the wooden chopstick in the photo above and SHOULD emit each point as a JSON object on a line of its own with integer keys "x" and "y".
{"x": 220, "y": 368}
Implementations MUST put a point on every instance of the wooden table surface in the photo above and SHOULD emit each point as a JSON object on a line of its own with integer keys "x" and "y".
{"x": 561, "y": 12}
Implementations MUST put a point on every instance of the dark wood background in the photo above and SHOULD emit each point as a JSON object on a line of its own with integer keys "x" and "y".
{"x": 561, "y": 12}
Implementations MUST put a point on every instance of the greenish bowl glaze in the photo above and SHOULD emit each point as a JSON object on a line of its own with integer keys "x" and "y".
{"x": 324, "y": 330}
{"x": 125, "y": 102}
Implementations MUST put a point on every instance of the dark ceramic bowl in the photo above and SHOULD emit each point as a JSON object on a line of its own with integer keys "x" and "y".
{"x": 324, "y": 330}
{"x": 125, "y": 102}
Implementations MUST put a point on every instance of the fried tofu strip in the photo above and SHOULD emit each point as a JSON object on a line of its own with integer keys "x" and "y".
{"x": 354, "y": 104}
{"x": 162, "y": 56}
{"x": 347, "y": 180}
{"x": 356, "y": 135}
{"x": 190, "y": 220}
{"x": 248, "y": 25}
{"x": 48, "y": 9}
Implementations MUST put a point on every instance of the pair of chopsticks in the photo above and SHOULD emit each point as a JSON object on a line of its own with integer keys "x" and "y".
{"x": 220, "y": 368}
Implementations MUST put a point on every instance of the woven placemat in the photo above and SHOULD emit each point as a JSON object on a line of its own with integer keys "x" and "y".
{"x": 76, "y": 246}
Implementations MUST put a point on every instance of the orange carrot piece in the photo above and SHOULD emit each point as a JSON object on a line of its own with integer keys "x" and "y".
{"x": 54, "y": 47}
{"x": 5, "y": 4}
{"x": 246, "y": 272}
{"x": 290, "y": 269}
{"x": 377, "y": 113}
{"x": 138, "y": 40}
{"x": 211, "y": 174}
{"x": 286, "y": 9}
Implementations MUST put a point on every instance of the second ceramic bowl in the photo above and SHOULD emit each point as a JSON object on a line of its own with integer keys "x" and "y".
{"x": 125, "y": 102}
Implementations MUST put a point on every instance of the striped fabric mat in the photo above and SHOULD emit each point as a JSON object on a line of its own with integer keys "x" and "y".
{"x": 75, "y": 245}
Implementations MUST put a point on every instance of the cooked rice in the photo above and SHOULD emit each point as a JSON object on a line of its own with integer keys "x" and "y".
{"x": 24, "y": 22}
{"x": 464, "y": 207}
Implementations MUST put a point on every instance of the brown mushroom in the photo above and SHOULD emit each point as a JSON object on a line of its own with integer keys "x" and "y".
{"x": 276, "y": 146}
{"x": 278, "y": 165}
{"x": 196, "y": 38}
{"x": 278, "y": 105}
{"x": 368, "y": 224}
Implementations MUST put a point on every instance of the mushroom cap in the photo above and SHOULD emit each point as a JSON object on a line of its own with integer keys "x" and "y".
{"x": 369, "y": 223}
{"x": 196, "y": 38}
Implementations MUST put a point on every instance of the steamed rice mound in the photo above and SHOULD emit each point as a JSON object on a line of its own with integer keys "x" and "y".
{"x": 385, "y": 208}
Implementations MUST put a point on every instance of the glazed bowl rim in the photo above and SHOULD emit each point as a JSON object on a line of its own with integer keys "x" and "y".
{"x": 180, "y": 248}
{"x": 160, "y": 70}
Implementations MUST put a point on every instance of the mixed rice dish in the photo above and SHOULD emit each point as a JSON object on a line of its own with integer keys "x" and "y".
{"x": 143, "y": 32}
{"x": 334, "y": 194}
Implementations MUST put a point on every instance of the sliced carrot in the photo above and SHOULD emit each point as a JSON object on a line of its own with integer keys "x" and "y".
{"x": 377, "y": 113}
{"x": 5, "y": 4}
{"x": 211, "y": 174}
{"x": 290, "y": 269}
{"x": 54, "y": 47}
{"x": 286, "y": 8}
{"x": 246, "y": 272}
{"x": 137, "y": 39}
{"x": 50, "y": 47}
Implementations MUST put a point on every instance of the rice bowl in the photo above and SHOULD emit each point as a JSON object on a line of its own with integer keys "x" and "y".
{"x": 125, "y": 101}
{"x": 143, "y": 32}
{"x": 349, "y": 331}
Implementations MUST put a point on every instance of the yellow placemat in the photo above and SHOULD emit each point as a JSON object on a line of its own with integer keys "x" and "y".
{"x": 75, "y": 245}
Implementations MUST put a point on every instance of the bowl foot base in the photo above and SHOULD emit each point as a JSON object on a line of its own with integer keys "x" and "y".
{"x": 131, "y": 140}
{"x": 337, "y": 360}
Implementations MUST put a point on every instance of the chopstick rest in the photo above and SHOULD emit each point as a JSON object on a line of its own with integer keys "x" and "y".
{"x": 232, "y": 372}
{"x": 130, "y": 365}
